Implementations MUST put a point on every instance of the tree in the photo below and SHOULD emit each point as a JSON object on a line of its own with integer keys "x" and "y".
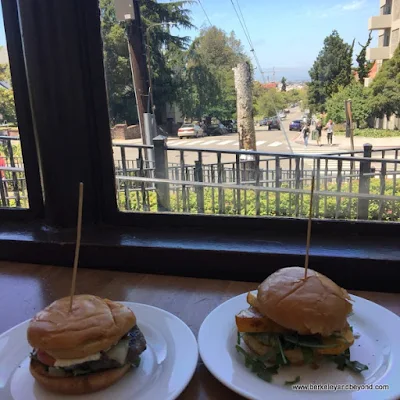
{"x": 330, "y": 71}
{"x": 360, "y": 97}
{"x": 208, "y": 86}
{"x": 283, "y": 81}
{"x": 121, "y": 96}
{"x": 7, "y": 107}
{"x": 270, "y": 102}
{"x": 364, "y": 65}
{"x": 385, "y": 88}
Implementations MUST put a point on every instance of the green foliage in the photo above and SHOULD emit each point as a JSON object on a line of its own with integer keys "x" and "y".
{"x": 289, "y": 204}
{"x": 267, "y": 101}
{"x": 331, "y": 70}
{"x": 270, "y": 102}
{"x": 7, "y": 107}
{"x": 121, "y": 96}
{"x": 283, "y": 81}
{"x": 207, "y": 83}
{"x": 385, "y": 99}
{"x": 360, "y": 104}
{"x": 370, "y": 132}
{"x": 293, "y": 96}
{"x": 364, "y": 65}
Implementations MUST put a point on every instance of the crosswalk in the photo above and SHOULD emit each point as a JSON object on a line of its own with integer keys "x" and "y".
{"x": 330, "y": 165}
{"x": 216, "y": 143}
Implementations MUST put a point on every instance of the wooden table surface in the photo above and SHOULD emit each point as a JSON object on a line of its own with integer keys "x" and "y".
{"x": 25, "y": 289}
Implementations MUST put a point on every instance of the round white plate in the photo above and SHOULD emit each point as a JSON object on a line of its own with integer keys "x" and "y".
{"x": 378, "y": 346}
{"x": 166, "y": 367}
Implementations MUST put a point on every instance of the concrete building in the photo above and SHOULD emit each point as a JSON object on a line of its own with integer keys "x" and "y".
{"x": 387, "y": 23}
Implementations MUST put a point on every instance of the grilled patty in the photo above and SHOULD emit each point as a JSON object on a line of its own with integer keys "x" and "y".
{"x": 137, "y": 345}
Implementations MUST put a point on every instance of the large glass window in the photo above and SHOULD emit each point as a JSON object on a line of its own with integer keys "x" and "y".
{"x": 13, "y": 188}
{"x": 249, "y": 150}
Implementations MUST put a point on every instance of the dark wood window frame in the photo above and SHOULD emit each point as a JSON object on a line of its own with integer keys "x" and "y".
{"x": 62, "y": 65}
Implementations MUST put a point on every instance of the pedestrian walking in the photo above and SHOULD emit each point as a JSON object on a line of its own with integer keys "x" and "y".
{"x": 319, "y": 133}
{"x": 306, "y": 133}
{"x": 329, "y": 131}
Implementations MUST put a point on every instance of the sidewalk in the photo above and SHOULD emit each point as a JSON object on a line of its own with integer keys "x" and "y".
{"x": 343, "y": 143}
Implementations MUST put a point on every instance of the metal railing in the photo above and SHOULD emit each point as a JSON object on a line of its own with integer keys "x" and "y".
{"x": 351, "y": 185}
{"x": 13, "y": 190}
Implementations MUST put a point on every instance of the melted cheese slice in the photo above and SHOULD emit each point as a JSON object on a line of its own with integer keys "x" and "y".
{"x": 75, "y": 361}
{"x": 117, "y": 352}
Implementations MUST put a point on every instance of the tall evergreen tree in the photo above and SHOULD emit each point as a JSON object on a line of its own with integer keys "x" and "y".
{"x": 208, "y": 79}
{"x": 331, "y": 70}
{"x": 283, "y": 81}
{"x": 163, "y": 45}
{"x": 364, "y": 65}
{"x": 385, "y": 99}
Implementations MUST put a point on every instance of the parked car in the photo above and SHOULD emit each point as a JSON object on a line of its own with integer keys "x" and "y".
{"x": 296, "y": 125}
{"x": 286, "y": 111}
{"x": 273, "y": 123}
{"x": 264, "y": 122}
{"x": 216, "y": 129}
{"x": 190, "y": 130}
{"x": 230, "y": 125}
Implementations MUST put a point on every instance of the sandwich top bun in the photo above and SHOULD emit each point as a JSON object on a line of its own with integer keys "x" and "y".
{"x": 315, "y": 305}
{"x": 93, "y": 325}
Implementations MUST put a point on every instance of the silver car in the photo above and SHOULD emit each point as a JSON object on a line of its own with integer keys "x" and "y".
{"x": 190, "y": 130}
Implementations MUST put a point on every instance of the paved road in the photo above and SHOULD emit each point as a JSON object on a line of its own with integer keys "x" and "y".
{"x": 273, "y": 141}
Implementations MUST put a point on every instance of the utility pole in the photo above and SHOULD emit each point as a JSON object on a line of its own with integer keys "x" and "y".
{"x": 349, "y": 123}
{"x": 137, "y": 55}
{"x": 244, "y": 104}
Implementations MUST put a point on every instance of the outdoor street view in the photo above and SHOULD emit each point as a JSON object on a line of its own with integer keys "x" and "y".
{"x": 231, "y": 107}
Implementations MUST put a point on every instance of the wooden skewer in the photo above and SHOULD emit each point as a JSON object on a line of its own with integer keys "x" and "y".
{"x": 309, "y": 227}
{"x": 77, "y": 245}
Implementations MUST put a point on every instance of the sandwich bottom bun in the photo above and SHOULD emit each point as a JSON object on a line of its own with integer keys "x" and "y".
{"x": 76, "y": 385}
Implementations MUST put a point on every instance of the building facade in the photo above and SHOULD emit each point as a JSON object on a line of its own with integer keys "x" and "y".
{"x": 387, "y": 24}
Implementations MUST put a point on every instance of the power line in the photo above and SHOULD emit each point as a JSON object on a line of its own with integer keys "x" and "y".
{"x": 244, "y": 22}
{"x": 243, "y": 27}
{"x": 205, "y": 13}
{"x": 252, "y": 49}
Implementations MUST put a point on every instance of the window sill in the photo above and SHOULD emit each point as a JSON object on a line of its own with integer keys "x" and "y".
{"x": 366, "y": 264}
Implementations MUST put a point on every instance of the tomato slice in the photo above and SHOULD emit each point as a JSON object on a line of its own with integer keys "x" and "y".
{"x": 45, "y": 358}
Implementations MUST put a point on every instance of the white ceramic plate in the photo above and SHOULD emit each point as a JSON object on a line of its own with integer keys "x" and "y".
{"x": 378, "y": 346}
{"x": 166, "y": 367}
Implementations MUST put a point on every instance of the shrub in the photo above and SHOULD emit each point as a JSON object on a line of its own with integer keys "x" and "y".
{"x": 289, "y": 204}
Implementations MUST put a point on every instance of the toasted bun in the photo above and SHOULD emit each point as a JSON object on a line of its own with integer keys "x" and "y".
{"x": 76, "y": 385}
{"x": 94, "y": 325}
{"x": 315, "y": 305}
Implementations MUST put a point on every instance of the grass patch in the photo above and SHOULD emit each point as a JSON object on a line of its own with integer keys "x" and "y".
{"x": 371, "y": 132}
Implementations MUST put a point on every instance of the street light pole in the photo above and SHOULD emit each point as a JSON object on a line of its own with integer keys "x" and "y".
{"x": 150, "y": 72}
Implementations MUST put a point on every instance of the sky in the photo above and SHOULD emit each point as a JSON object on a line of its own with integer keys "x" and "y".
{"x": 287, "y": 35}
